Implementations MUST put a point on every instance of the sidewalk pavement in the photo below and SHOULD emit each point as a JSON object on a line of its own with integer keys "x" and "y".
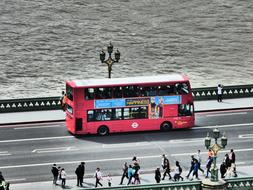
{"x": 59, "y": 115}
{"x": 243, "y": 171}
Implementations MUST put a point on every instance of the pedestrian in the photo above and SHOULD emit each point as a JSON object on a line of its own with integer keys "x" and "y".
{"x": 1, "y": 176}
{"x": 223, "y": 169}
{"x": 178, "y": 172}
{"x": 136, "y": 167}
{"x": 157, "y": 175}
{"x": 192, "y": 166}
{"x": 124, "y": 174}
{"x": 63, "y": 177}
{"x": 208, "y": 165}
{"x": 63, "y": 101}
{"x": 219, "y": 92}
{"x": 195, "y": 170}
{"x": 79, "y": 175}
{"x": 82, "y": 171}
{"x": 166, "y": 167}
{"x": 232, "y": 161}
{"x": 226, "y": 161}
{"x": 209, "y": 153}
{"x": 130, "y": 173}
{"x": 55, "y": 173}
{"x": 199, "y": 159}
{"x": 109, "y": 180}
{"x": 98, "y": 176}
{"x": 59, "y": 173}
{"x": 4, "y": 185}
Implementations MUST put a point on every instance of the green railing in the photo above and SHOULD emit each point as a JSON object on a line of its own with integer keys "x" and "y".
{"x": 244, "y": 183}
{"x": 210, "y": 93}
{"x": 30, "y": 104}
{"x": 196, "y": 185}
{"x": 53, "y": 103}
{"x": 238, "y": 183}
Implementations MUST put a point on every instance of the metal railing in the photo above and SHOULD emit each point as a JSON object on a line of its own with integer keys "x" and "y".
{"x": 196, "y": 185}
{"x": 53, "y": 103}
{"x": 244, "y": 183}
{"x": 210, "y": 93}
{"x": 238, "y": 183}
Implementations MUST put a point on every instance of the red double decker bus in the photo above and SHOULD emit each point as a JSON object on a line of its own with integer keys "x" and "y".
{"x": 103, "y": 106}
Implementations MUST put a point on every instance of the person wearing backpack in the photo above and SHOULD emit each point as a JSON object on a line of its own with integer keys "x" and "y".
{"x": 178, "y": 172}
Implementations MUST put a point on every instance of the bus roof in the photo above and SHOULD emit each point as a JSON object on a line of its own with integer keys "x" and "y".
{"x": 128, "y": 80}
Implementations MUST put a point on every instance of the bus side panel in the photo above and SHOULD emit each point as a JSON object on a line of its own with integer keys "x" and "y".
{"x": 170, "y": 110}
{"x": 70, "y": 123}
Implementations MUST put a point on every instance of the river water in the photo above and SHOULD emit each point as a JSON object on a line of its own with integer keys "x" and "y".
{"x": 43, "y": 43}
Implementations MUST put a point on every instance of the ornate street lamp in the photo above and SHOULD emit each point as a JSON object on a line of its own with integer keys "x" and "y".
{"x": 110, "y": 60}
{"x": 215, "y": 148}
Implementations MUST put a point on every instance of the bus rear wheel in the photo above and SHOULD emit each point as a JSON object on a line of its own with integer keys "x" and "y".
{"x": 166, "y": 126}
{"x": 103, "y": 130}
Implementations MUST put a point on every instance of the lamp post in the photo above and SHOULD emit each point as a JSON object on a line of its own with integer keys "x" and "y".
{"x": 110, "y": 60}
{"x": 215, "y": 148}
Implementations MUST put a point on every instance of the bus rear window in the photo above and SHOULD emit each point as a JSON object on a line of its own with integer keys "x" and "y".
{"x": 69, "y": 109}
{"x": 69, "y": 92}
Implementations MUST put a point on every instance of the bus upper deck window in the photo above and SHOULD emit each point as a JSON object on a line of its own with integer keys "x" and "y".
{"x": 69, "y": 92}
{"x": 89, "y": 93}
{"x": 182, "y": 88}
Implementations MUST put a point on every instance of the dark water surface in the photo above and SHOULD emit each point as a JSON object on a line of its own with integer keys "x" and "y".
{"x": 43, "y": 43}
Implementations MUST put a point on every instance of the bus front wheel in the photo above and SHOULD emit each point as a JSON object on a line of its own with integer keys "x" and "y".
{"x": 103, "y": 130}
{"x": 166, "y": 126}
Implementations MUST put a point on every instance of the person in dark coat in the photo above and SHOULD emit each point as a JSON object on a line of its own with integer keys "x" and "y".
{"x": 55, "y": 173}
{"x": 79, "y": 175}
{"x": 82, "y": 171}
{"x": 167, "y": 169}
{"x": 157, "y": 175}
{"x": 222, "y": 169}
{"x": 193, "y": 161}
{"x": 125, "y": 168}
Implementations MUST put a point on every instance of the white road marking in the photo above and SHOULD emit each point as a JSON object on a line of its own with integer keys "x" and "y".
{"x": 4, "y": 153}
{"x": 125, "y": 145}
{"x": 245, "y": 136}
{"x": 36, "y": 139}
{"x": 74, "y": 162}
{"x": 14, "y": 180}
{"x": 187, "y": 140}
{"x": 58, "y": 149}
{"x": 221, "y": 151}
{"x": 37, "y": 127}
{"x": 226, "y": 114}
{"x": 222, "y": 126}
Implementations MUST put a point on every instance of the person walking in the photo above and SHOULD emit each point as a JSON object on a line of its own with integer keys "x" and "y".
{"x": 63, "y": 101}
{"x": 109, "y": 180}
{"x": 63, "y": 177}
{"x": 4, "y": 185}
{"x": 195, "y": 170}
{"x": 157, "y": 175}
{"x": 178, "y": 172}
{"x": 130, "y": 173}
{"x": 232, "y": 161}
{"x": 219, "y": 92}
{"x": 208, "y": 165}
{"x": 55, "y": 173}
{"x": 199, "y": 159}
{"x": 124, "y": 174}
{"x": 166, "y": 167}
{"x": 79, "y": 175}
{"x": 98, "y": 176}
{"x": 192, "y": 166}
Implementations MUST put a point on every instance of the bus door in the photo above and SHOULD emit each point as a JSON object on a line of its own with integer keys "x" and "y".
{"x": 79, "y": 124}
